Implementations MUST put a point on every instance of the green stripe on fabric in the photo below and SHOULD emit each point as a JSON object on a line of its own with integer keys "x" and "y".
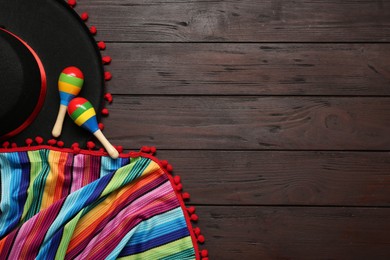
{"x": 137, "y": 170}
{"x": 80, "y": 110}
{"x": 183, "y": 255}
{"x": 67, "y": 235}
{"x": 38, "y": 175}
{"x": 164, "y": 250}
{"x": 71, "y": 80}
{"x": 118, "y": 179}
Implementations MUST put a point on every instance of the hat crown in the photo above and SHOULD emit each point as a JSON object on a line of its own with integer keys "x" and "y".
{"x": 20, "y": 81}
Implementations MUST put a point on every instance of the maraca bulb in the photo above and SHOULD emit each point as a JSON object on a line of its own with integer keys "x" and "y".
{"x": 70, "y": 83}
{"x": 83, "y": 114}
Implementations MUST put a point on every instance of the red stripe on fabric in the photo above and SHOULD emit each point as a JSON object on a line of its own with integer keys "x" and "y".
{"x": 7, "y": 244}
{"x": 30, "y": 249}
{"x": 86, "y": 172}
{"x": 67, "y": 176}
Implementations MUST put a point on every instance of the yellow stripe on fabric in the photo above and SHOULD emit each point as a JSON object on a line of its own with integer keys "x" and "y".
{"x": 94, "y": 214}
{"x": 152, "y": 167}
{"x": 85, "y": 116}
{"x": 164, "y": 250}
{"x": 35, "y": 170}
{"x": 68, "y": 88}
{"x": 51, "y": 180}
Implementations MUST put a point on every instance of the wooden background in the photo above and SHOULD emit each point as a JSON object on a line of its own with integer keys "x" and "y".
{"x": 276, "y": 114}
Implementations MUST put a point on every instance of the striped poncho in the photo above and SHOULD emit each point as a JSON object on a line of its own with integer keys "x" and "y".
{"x": 57, "y": 204}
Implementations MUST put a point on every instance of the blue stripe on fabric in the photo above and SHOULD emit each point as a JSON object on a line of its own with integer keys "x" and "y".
{"x": 145, "y": 226}
{"x": 8, "y": 218}
{"x": 155, "y": 242}
{"x": 76, "y": 201}
{"x": 109, "y": 165}
{"x": 49, "y": 249}
{"x": 25, "y": 180}
{"x": 158, "y": 230}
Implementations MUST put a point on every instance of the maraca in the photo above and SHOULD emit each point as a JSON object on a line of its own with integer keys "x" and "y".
{"x": 70, "y": 83}
{"x": 84, "y": 115}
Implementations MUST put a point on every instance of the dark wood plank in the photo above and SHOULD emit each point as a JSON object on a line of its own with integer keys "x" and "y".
{"x": 296, "y": 233}
{"x": 240, "y": 21}
{"x": 292, "y": 123}
{"x": 283, "y": 178}
{"x": 250, "y": 69}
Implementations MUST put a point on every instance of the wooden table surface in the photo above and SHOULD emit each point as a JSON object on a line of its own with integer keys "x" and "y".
{"x": 276, "y": 114}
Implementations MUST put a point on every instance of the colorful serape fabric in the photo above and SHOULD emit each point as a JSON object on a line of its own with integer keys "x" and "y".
{"x": 59, "y": 205}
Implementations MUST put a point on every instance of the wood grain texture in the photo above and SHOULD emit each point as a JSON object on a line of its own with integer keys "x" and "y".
{"x": 283, "y": 178}
{"x": 250, "y": 69}
{"x": 276, "y": 115}
{"x": 288, "y": 123}
{"x": 295, "y": 232}
{"x": 240, "y": 21}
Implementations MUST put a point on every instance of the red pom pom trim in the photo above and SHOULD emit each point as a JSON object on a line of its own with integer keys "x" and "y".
{"x": 164, "y": 163}
{"x": 119, "y": 148}
{"x": 191, "y": 210}
{"x": 39, "y": 140}
{"x": 105, "y": 112}
{"x": 101, "y": 45}
{"x": 84, "y": 16}
{"x": 186, "y": 196}
{"x": 177, "y": 179}
{"x": 51, "y": 142}
{"x": 72, "y": 3}
{"x": 169, "y": 168}
{"x": 108, "y": 97}
{"x": 90, "y": 145}
{"x": 201, "y": 239}
{"x": 106, "y": 60}
{"x": 204, "y": 253}
{"x": 107, "y": 76}
{"x": 29, "y": 141}
{"x": 194, "y": 217}
{"x": 92, "y": 30}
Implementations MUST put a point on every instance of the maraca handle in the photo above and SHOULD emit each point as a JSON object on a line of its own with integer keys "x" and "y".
{"x": 109, "y": 148}
{"x": 57, "y": 129}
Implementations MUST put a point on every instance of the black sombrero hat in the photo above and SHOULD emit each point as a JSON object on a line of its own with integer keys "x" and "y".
{"x": 38, "y": 39}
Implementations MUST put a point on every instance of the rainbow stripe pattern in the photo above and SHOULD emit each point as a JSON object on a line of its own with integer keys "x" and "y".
{"x": 70, "y": 83}
{"x": 60, "y": 205}
{"x": 83, "y": 114}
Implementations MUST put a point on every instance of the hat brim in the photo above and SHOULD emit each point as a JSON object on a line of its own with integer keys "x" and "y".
{"x": 60, "y": 39}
